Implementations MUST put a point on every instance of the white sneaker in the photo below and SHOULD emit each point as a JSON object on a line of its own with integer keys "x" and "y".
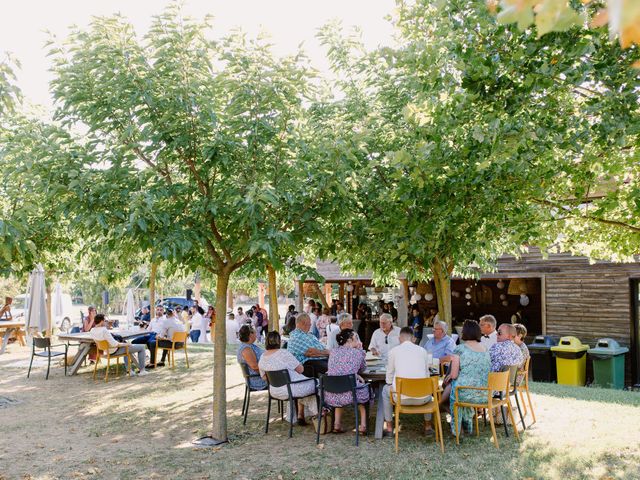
{"x": 143, "y": 373}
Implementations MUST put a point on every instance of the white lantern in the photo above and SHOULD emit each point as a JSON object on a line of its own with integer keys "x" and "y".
{"x": 505, "y": 303}
{"x": 468, "y": 296}
{"x": 468, "y": 289}
{"x": 503, "y": 297}
{"x": 524, "y": 300}
{"x": 418, "y": 297}
{"x": 455, "y": 294}
{"x": 500, "y": 284}
{"x": 349, "y": 288}
{"x": 428, "y": 297}
{"x": 468, "y": 303}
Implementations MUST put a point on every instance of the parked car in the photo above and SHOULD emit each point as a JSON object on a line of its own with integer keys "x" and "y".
{"x": 62, "y": 322}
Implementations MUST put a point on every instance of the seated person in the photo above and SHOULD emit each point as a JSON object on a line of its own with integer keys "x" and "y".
{"x": 407, "y": 360}
{"x": 170, "y": 325}
{"x": 249, "y": 354}
{"x": 489, "y": 335}
{"x": 275, "y": 358}
{"x": 145, "y": 317}
{"x": 345, "y": 322}
{"x": 441, "y": 346}
{"x": 154, "y": 328}
{"x": 386, "y": 337}
{"x": 346, "y": 359}
{"x": 307, "y": 349}
{"x": 100, "y": 332}
{"x": 521, "y": 333}
{"x": 505, "y": 353}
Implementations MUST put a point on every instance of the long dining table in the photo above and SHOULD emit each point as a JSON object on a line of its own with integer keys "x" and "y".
{"x": 85, "y": 341}
{"x": 9, "y": 327}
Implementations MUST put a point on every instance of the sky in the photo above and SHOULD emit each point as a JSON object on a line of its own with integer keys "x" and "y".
{"x": 24, "y": 23}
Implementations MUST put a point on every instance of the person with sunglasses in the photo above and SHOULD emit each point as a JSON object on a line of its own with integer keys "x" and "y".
{"x": 386, "y": 337}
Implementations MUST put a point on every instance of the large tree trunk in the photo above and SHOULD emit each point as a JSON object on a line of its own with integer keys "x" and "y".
{"x": 300, "y": 295}
{"x": 219, "y": 431}
{"x": 274, "y": 317}
{"x": 152, "y": 289}
{"x": 441, "y": 271}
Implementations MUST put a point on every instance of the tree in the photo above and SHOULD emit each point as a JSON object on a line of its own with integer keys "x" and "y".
{"x": 460, "y": 135}
{"x": 197, "y": 150}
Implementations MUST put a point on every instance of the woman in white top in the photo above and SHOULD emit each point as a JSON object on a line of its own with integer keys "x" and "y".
{"x": 275, "y": 358}
{"x": 196, "y": 325}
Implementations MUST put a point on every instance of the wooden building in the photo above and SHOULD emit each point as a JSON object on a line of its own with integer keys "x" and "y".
{"x": 565, "y": 295}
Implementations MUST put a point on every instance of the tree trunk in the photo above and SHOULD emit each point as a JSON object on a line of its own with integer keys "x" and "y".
{"x": 152, "y": 289}
{"x": 320, "y": 295}
{"x": 230, "y": 299}
{"x": 442, "y": 278}
{"x": 219, "y": 431}
{"x": 300, "y": 296}
{"x": 274, "y": 316}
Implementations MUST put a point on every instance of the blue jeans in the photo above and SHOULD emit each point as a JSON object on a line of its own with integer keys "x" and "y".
{"x": 194, "y": 335}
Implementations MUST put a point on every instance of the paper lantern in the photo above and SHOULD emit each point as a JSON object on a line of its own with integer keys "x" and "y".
{"x": 455, "y": 294}
{"x": 524, "y": 300}
{"x": 418, "y": 297}
{"x": 468, "y": 289}
{"x": 428, "y": 297}
{"x": 503, "y": 296}
{"x": 517, "y": 286}
{"x": 468, "y": 303}
{"x": 500, "y": 284}
{"x": 505, "y": 303}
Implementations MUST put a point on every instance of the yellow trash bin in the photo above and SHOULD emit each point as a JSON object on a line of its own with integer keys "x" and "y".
{"x": 571, "y": 361}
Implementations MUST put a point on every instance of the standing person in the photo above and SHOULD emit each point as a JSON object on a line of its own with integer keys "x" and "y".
{"x": 241, "y": 318}
{"x": 211, "y": 321}
{"x": 470, "y": 366}
{"x": 521, "y": 333}
{"x": 291, "y": 312}
{"x": 417, "y": 324}
{"x": 196, "y": 325}
{"x": 232, "y": 329}
{"x": 309, "y": 306}
{"x": 314, "y": 315}
{"x": 332, "y": 329}
{"x": 386, "y": 337}
{"x": 100, "y": 332}
{"x": 258, "y": 318}
{"x": 432, "y": 318}
{"x": 393, "y": 311}
{"x": 488, "y": 328}
{"x": 204, "y": 326}
{"x": 346, "y": 359}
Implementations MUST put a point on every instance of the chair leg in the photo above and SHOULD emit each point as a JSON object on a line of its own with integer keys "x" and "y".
{"x": 504, "y": 420}
{"x": 533, "y": 415}
{"x": 524, "y": 404}
{"x": 186, "y": 357}
{"x": 524, "y": 427}
{"x": 65, "y": 362}
{"x": 266, "y": 427}
{"x": 357, "y": 415}
{"x": 48, "y": 366}
{"x": 244, "y": 401}
{"x": 117, "y": 367}
{"x": 455, "y": 420}
{"x": 292, "y": 414}
{"x": 281, "y": 403}
{"x": 106, "y": 375}
{"x": 493, "y": 431}
{"x": 476, "y": 419}
{"x": 319, "y": 426}
{"x": 30, "y": 364}
{"x": 397, "y": 425}
{"x": 246, "y": 408}
{"x": 438, "y": 425}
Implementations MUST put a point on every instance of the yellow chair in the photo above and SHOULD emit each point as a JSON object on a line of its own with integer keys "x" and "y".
{"x": 498, "y": 384}
{"x": 103, "y": 348}
{"x": 177, "y": 337}
{"x": 523, "y": 386}
{"x": 417, "y": 387}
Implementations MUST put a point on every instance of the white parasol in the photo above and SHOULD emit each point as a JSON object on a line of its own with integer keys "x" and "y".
{"x": 130, "y": 308}
{"x": 37, "y": 311}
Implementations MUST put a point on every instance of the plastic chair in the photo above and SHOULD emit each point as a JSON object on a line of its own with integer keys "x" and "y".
{"x": 102, "y": 347}
{"x": 497, "y": 382}
{"x": 341, "y": 384}
{"x": 417, "y": 387}
{"x": 248, "y": 389}
{"x": 177, "y": 337}
{"x": 281, "y": 378}
{"x": 523, "y": 386}
{"x": 513, "y": 392}
{"x": 45, "y": 345}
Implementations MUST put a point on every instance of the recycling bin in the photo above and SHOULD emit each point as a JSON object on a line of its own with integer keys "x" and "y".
{"x": 608, "y": 363}
{"x": 571, "y": 361}
{"x": 542, "y": 365}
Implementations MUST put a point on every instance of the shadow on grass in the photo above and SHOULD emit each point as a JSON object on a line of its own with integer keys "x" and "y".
{"x": 587, "y": 394}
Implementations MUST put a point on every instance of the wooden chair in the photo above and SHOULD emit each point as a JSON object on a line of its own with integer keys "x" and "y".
{"x": 45, "y": 345}
{"x": 498, "y": 383}
{"x": 417, "y": 387}
{"x": 177, "y": 337}
{"x": 102, "y": 347}
{"x": 523, "y": 386}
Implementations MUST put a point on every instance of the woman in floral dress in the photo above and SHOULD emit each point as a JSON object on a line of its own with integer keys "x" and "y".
{"x": 348, "y": 358}
{"x": 470, "y": 366}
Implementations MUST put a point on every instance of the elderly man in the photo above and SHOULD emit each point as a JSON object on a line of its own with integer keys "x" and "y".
{"x": 407, "y": 360}
{"x": 345, "y": 321}
{"x": 505, "y": 353}
{"x": 441, "y": 346}
{"x": 309, "y": 351}
{"x": 386, "y": 337}
{"x": 488, "y": 329}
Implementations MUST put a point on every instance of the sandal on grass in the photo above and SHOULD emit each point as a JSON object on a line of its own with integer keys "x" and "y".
{"x": 338, "y": 430}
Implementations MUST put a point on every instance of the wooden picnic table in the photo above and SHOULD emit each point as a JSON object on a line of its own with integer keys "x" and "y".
{"x": 9, "y": 327}
{"x": 85, "y": 341}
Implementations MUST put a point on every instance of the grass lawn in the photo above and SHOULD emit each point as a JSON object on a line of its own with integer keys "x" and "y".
{"x": 134, "y": 428}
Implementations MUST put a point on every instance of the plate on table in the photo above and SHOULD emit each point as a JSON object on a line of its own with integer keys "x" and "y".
{"x": 370, "y": 357}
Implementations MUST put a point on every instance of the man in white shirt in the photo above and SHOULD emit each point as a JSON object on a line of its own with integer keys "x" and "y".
{"x": 99, "y": 332}
{"x": 407, "y": 360}
{"x": 488, "y": 329}
{"x": 154, "y": 328}
{"x": 384, "y": 338}
{"x": 232, "y": 329}
{"x": 345, "y": 321}
{"x": 168, "y": 327}
{"x": 241, "y": 318}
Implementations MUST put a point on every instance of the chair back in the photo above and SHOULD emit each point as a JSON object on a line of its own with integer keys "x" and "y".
{"x": 103, "y": 345}
{"x": 524, "y": 371}
{"x": 278, "y": 378}
{"x": 513, "y": 373}
{"x": 41, "y": 342}
{"x": 498, "y": 382}
{"x": 338, "y": 383}
{"x": 179, "y": 337}
{"x": 416, "y": 387}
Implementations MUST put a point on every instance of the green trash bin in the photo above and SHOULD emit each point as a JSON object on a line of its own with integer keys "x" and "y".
{"x": 608, "y": 363}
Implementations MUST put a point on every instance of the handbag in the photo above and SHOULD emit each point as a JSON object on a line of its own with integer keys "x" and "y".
{"x": 326, "y": 424}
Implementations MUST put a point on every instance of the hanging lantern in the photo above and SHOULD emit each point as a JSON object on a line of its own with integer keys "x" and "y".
{"x": 505, "y": 303}
{"x": 500, "y": 284}
{"x": 418, "y": 297}
{"x": 428, "y": 297}
{"x": 455, "y": 294}
{"x": 503, "y": 296}
{"x": 468, "y": 303}
{"x": 468, "y": 289}
{"x": 467, "y": 296}
{"x": 524, "y": 300}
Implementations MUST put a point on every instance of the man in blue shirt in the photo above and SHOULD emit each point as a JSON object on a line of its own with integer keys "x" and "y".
{"x": 307, "y": 348}
{"x": 441, "y": 346}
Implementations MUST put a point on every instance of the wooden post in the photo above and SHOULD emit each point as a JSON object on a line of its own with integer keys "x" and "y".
{"x": 152, "y": 289}
{"x": 320, "y": 295}
{"x": 327, "y": 292}
{"x": 299, "y": 295}
{"x": 341, "y": 292}
{"x": 404, "y": 308}
{"x": 274, "y": 316}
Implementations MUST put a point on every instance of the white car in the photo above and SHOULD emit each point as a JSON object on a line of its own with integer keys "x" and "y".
{"x": 62, "y": 322}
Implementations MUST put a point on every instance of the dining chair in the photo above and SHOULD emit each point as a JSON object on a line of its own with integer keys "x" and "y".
{"x": 46, "y": 352}
{"x": 281, "y": 378}
{"x": 178, "y": 342}
{"x": 103, "y": 348}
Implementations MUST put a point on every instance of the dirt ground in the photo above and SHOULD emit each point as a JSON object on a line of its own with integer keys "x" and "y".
{"x": 74, "y": 427}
